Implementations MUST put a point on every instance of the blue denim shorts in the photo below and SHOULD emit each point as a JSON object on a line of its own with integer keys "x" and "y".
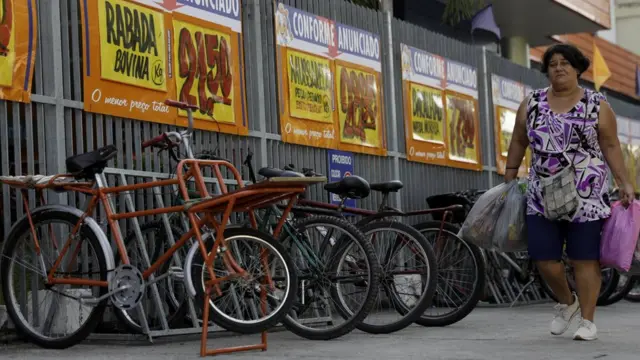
{"x": 547, "y": 238}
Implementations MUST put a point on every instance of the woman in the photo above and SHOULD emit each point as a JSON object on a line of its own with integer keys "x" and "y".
{"x": 573, "y": 129}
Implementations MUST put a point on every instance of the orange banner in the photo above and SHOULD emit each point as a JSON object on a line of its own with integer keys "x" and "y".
{"x": 139, "y": 53}
{"x": 329, "y": 83}
{"x": 18, "y": 35}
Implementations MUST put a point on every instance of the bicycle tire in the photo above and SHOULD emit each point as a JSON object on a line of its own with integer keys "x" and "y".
{"x": 409, "y": 315}
{"x": 223, "y": 320}
{"x": 479, "y": 284}
{"x": 374, "y": 280}
{"x": 180, "y": 310}
{"x": 97, "y": 311}
{"x": 620, "y": 292}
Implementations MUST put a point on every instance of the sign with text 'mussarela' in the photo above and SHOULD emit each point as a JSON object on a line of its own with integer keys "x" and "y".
{"x": 441, "y": 110}
{"x": 139, "y": 53}
{"x": 330, "y": 85}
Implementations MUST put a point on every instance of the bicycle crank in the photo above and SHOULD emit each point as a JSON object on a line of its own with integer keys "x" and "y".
{"x": 126, "y": 287}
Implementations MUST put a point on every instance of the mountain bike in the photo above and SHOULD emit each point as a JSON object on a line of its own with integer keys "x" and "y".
{"x": 460, "y": 269}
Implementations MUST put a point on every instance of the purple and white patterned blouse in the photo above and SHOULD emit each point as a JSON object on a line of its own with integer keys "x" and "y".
{"x": 554, "y": 141}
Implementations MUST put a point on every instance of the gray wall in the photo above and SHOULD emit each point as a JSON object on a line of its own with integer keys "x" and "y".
{"x": 37, "y": 137}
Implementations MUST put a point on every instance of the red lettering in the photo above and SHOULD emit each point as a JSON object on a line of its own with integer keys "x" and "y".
{"x": 358, "y": 93}
{"x": 187, "y": 58}
{"x": 207, "y": 61}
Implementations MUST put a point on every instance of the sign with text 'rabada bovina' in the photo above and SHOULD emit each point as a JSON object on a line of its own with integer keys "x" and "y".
{"x": 330, "y": 85}
{"x": 139, "y": 53}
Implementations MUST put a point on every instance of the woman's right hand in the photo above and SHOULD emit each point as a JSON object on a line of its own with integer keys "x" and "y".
{"x": 627, "y": 194}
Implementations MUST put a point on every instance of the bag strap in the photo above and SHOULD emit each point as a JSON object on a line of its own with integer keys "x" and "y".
{"x": 584, "y": 125}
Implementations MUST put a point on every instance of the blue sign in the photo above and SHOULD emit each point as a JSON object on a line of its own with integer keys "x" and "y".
{"x": 340, "y": 165}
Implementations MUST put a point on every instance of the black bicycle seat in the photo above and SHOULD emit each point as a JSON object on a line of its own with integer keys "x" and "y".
{"x": 352, "y": 187}
{"x": 387, "y": 186}
{"x": 270, "y": 172}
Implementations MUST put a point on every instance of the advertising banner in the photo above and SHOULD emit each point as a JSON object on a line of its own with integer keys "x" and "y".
{"x": 507, "y": 96}
{"x": 340, "y": 165}
{"x": 634, "y": 152}
{"x": 18, "y": 35}
{"x": 139, "y": 53}
{"x": 441, "y": 110}
{"x": 330, "y": 85}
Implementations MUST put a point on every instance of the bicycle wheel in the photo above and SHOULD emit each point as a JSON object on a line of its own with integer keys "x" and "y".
{"x": 47, "y": 329}
{"x": 625, "y": 284}
{"x": 461, "y": 275}
{"x": 408, "y": 276}
{"x": 242, "y": 310}
{"x": 333, "y": 260}
{"x": 171, "y": 290}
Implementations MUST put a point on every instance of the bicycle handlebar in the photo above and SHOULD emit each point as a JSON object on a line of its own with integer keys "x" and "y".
{"x": 161, "y": 139}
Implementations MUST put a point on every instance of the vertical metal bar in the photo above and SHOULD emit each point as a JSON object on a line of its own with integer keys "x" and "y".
{"x": 55, "y": 139}
{"x": 487, "y": 113}
{"x": 387, "y": 52}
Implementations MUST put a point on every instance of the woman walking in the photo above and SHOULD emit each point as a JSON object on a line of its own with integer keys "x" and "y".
{"x": 573, "y": 136}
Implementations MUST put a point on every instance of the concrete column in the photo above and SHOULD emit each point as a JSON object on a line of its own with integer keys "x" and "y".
{"x": 516, "y": 49}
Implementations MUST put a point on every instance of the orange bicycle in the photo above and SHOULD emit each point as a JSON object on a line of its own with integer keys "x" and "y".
{"x": 81, "y": 273}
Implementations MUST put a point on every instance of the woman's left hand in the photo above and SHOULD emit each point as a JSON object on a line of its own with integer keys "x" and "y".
{"x": 627, "y": 194}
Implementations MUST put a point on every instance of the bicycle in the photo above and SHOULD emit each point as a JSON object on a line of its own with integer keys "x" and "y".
{"x": 313, "y": 270}
{"x": 444, "y": 239}
{"x": 124, "y": 285}
{"x": 408, "y": 305}
{"x": 515, "y": 266}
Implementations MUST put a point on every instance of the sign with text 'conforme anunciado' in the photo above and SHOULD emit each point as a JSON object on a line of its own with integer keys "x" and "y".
{"x": 138, "y": 53}
{"x": 329, "y": 83}
{"x": 441, "y": 110}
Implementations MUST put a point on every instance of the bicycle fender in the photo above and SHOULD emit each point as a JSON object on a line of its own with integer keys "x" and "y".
{"x": 89, "y": 221}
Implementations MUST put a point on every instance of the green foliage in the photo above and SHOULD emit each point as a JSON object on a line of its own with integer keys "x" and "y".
{"x": 454, "y": 12}
{"x": 459, "y": 10}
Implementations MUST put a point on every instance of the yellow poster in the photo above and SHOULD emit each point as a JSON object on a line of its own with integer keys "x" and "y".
{"x": 310, "y": 82}
{"x": 7, "y": 42}
{"x": 427, "y": 114}
{"x": 132, "y": 44}
{"x": 18, "y": 35}
{"x": 507, "y": 118}
{"x": 358, "y": 106}
{"x": 462, "y": 129}
{"x": 204, "y": 71}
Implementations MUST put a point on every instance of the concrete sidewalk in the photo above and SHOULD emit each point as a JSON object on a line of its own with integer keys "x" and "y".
{"x": 487, "y": 334}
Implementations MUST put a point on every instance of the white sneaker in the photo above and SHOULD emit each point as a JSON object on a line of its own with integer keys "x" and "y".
{"x": 587, "y": 331}
{"x": 564, "y": 315}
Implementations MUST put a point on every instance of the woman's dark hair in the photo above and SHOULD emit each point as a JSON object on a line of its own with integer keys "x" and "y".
{"x": 571, "y": 53}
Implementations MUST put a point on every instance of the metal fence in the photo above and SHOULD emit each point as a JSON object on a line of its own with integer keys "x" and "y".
{"x": 37, "y": 137}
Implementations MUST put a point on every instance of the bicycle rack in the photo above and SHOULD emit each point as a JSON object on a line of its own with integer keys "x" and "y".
{"x": 508, "y": 290}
